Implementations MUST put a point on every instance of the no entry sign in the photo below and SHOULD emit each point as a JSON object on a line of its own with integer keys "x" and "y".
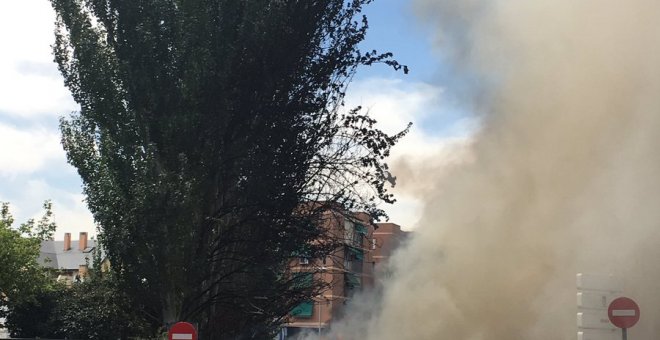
{"x": 182, "y": 331}
{"x": 623, "y": 312}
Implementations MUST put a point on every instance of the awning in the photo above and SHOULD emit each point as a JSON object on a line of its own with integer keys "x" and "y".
{"x": 303, "y": 310}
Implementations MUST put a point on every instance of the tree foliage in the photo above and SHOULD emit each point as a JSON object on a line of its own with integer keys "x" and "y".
{"x": 92, "y": 309}
{"x": 21, "y": 274}
{"x": 36, "y": 317}
{"x": 98, "y": 309}
{"x": 23, "y": 280}
{"x": 212, "y": 142}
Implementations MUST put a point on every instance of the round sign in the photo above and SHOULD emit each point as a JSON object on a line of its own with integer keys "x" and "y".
{"x": 623, "y": 312}
{"x": 182, "y": 331}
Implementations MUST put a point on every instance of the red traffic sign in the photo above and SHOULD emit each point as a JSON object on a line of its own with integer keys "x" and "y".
{"x": 623, "y": 312}
{"x": 182, "y": 331}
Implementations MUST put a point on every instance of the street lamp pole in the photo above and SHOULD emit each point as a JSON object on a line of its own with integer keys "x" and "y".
{"x": 321, "y": 299}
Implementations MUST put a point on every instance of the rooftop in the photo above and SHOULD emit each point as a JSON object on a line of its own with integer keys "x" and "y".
{"x": 54, "y": 255}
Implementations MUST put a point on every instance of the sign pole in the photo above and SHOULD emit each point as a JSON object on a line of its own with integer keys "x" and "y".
{"x": 624, "y": 333}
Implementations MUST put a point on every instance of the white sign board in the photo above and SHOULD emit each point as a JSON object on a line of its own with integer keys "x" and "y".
{"x": 594, "y": 320}
{"x": 592, "y": 334}
{"x": 594, "y": 299}
{"x": 607, "y": 283}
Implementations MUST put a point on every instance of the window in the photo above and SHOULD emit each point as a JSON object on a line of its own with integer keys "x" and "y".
{"x": 352, "y": 280}
{"x": 373, "y": 243}
{"x": 360, "y": 229}
{"x": 349, "y": 232}
{"x": 355, "y": 253}
{"x": 303, "y": 260}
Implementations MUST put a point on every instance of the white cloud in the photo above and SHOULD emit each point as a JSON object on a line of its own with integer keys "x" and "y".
{"x": 33, "y": 95}
{"x": 69, "y": 210}
{"x": 394, "y": 103}
{"x": 31, "y": 89}
{"x": 26, "y": 151}
{"x": 27, "y": 27}
{"x": 29, "y": 81}
{"x": 72, "y": 215}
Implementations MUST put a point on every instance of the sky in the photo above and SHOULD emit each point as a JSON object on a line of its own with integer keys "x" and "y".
{"x": 33, "y": 166}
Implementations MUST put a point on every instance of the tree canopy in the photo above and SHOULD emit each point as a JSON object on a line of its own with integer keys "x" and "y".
{"x": 98, "y": 309}
{"x": 21, "y": 274}
{"x": 94, "y": 308}
{"x": 23, "y": 280}
{"x": 212, "y": 141}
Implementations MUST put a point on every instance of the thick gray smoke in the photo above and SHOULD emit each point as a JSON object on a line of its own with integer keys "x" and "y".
{"x": 564, "y": 176}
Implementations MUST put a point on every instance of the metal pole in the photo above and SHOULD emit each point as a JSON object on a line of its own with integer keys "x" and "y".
{"x": 320, "y": 319}
{"x": 624, "y": 333}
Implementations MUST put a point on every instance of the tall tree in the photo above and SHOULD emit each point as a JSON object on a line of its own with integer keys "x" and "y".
{"x": 212, "y": 143}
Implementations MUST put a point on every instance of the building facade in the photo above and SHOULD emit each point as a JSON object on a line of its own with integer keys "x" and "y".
{"x": 387, "y": 238}
{"x": 68, "y": 258}
{"x": 351, "y": 268}
{"x": 348, "y": 269}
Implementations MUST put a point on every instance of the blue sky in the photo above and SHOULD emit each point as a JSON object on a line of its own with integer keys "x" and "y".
{"x": 33, "y": 165}
{"x": 394, "y": 28}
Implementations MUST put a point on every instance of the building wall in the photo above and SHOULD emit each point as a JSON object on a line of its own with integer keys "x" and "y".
{"x": 336, "y": 270}
{"x": 387, "y": 237}
{"x": 68, "y": 259}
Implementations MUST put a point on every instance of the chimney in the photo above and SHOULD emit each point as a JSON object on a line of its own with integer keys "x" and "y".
{"x": 67, "y": 241}
{"x": 82, "y": 241}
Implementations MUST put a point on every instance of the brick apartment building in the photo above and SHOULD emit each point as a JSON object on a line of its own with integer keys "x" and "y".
{"x": 387, "y": 238}
{"x": 351, "y": 268}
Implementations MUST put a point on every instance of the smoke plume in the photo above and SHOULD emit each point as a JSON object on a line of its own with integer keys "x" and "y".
{"x": 563, "y": 177}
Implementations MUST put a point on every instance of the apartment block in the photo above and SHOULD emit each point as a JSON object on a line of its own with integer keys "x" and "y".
{"x": 349, "y": 269}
